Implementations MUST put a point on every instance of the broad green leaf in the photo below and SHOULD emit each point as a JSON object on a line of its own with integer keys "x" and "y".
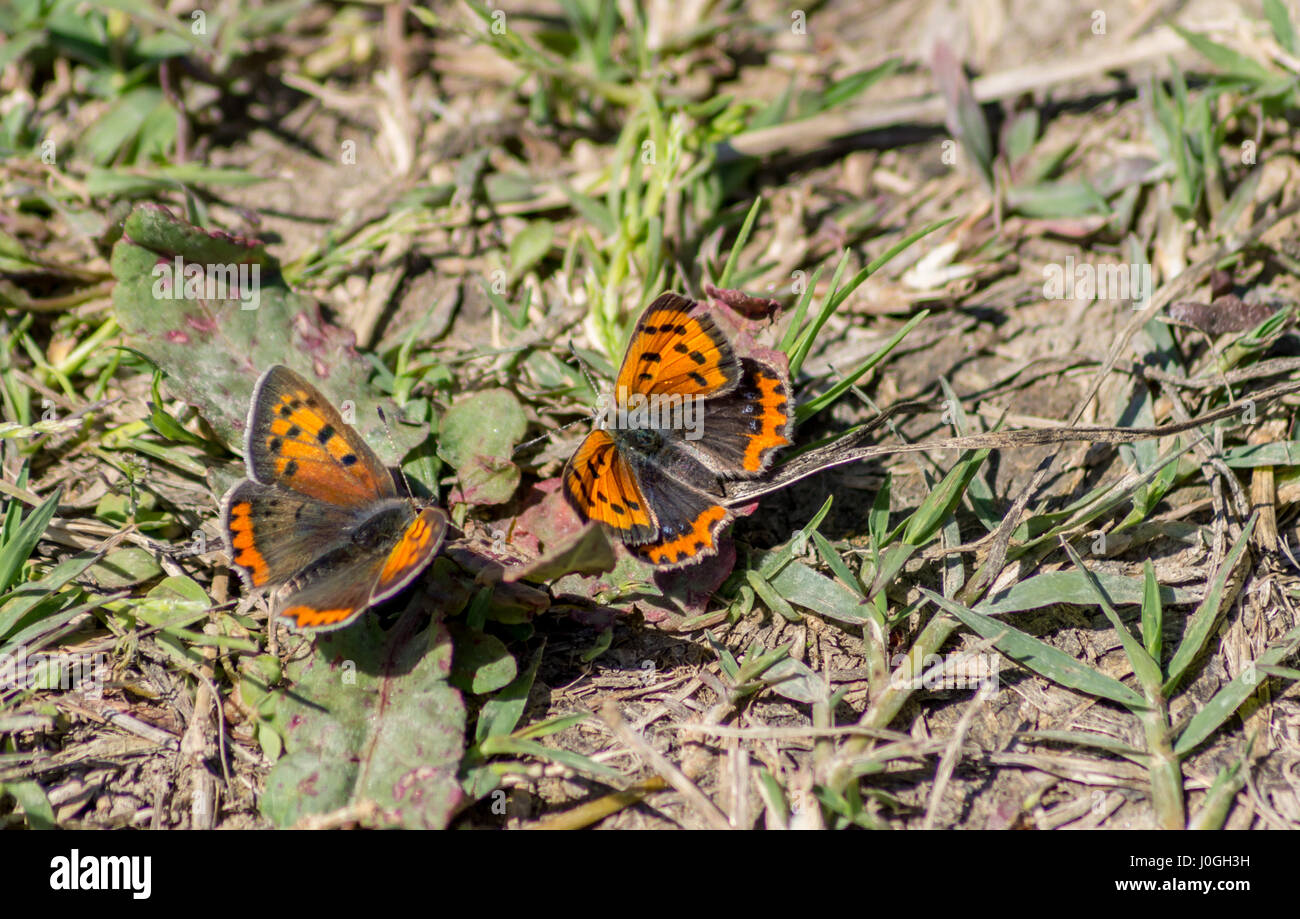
{"x": 214, "y": 350}
{"x": 529, "y": 247}
{"x": 477, "y": 437}
{"x": 370, "y": 716}
{"x": 481, "y": 663}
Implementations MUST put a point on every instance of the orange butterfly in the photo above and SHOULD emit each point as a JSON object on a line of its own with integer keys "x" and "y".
{"x": 319, "y": 512}
{"x": 687, "y": 415}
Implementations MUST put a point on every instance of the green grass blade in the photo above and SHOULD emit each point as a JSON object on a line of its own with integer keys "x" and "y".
{"x": 725, "y": 279}
{"x": 1153, "y": 615}
{"x": 1145, "y": 669}
{"x": 1201, "y": 623}
{"x": 1229, "y": 698}
{"x": 813, "y": 406}
{"x": 1041, "y": 657}
{"x": 18, "y": 549}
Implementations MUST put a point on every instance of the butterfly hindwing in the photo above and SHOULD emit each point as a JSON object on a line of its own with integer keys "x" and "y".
{"x": 386, "y": 552}
{"x": 296, "y": 439}
{"x": 272, "y": 533}
{"x": 600, "y": 485}
{"x": 412, "y": 552}
{"x": 742, "y": 429}
{"x": 689, "y": 523}
{"x": 334, "y": 590}
{"x": 673, "y": 353}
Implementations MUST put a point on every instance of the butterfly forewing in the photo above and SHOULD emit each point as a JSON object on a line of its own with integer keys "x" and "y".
{"x": 674, "y": 353}
{"x": 299, "y": 441}
{"x": 601, "y": 487}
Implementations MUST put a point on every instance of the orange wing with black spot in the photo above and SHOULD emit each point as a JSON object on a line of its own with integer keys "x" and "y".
{"x": 689, "y": 524}
{"x": 273, "y": 533}
{"x": 745, "y": 427}
{"x": 671, "y": 352}
{"x": 600, "y": 486}
{"x": 296, "y": 439}
{"x": 344, "y": 582}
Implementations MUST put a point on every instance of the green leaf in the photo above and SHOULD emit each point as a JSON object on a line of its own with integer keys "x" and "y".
{"x": 1057, "y": 199}
{"x": 529, "y": 247}
{"x": 23, "y": 599}
{"x": 816, "y": 404}
{"x": 1145, "y": 669}
{"x": 125, "y": 567}
{"x": 370, "y": 717}
{"x": 481, "y": 663}
{"x": 803, "y": 586}
{"x": 213, "y": 351}
{"x": 1153, "y": 618}
{"x": 1072, "y": 587}
{"x": 477, "y": 438}
{"x": 770, "y": 597}
{"x": 35, "y": 804}
{"x": 1280, "y": 21}
{"x": 724, "y": 281}
{"x": 1041, "y": 657}
{"x": 1230, "y": 697}
{"x": 1231, "y": 62}
{"x": 502, "y": 712}
{"x": 493, "y": 746}
{"x": 16, "y": 550}
{"x": 1201, "y": 623}
{"x": 796, "y": 681}
{"x": 1088, "y": 739}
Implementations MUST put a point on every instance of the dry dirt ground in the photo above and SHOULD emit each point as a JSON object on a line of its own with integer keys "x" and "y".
{"x": 421, "y": 102}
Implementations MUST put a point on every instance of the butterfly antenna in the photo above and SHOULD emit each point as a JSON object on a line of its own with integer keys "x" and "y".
{"x": 591, "y": 381}
{"x": 582, "y": 365}
{"x": 529, "y": 443}
{"x": 388, "y": 432}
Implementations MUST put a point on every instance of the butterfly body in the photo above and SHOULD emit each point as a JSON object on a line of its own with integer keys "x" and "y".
{"x": 689, "y": 415}
{"x": 320, "y": 516}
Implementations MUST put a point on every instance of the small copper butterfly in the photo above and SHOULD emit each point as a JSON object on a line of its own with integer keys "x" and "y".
{"x": 654, "y": 484}
{"x": 319, "y": 512}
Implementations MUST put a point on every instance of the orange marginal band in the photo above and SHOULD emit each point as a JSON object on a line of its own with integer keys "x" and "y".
{"x": 690, "y": 545}
{"x": 775, "y": 417}
{"x": 244, "y": 543}
{"x": 305, "y": 617}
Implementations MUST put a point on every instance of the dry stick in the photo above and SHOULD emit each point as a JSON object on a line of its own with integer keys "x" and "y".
{"x": 610, "y": 714}
{"x": 841, "y": 452}
{"x": 1169, "y": 291}
{"x": 936, "y": 633}
{"x": 813, "y": 133}
{"x": 585, "y": 815}
{"x": 943, "y": 775}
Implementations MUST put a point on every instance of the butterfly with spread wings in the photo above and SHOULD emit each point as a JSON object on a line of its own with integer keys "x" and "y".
{"x": 656, "y": 485}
